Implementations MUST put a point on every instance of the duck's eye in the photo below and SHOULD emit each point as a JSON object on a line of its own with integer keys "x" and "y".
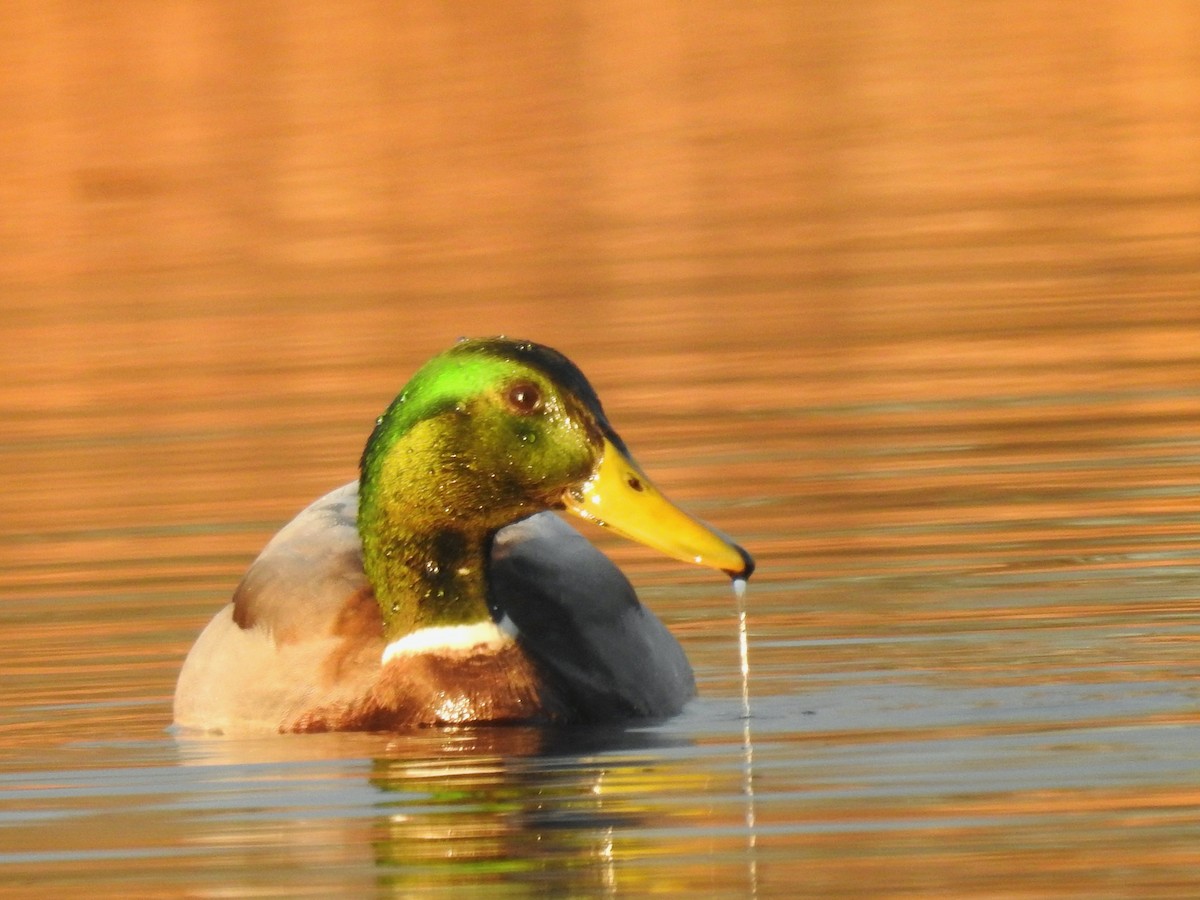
{"x": 525, "y": 397}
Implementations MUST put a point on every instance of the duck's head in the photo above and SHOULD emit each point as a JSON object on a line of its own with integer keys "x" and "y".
{"x": 485, "y": 434}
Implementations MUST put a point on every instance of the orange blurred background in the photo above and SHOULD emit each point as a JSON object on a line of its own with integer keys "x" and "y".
{"x": 248, "y": 151}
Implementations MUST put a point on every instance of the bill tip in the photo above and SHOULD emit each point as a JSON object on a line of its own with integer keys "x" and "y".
{"x": 743, "y": 575}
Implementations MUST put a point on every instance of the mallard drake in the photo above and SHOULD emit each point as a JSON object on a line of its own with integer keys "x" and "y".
{"x": 438, "y": 589}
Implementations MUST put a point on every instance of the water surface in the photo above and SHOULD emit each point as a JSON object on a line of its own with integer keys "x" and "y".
{"x": 904, "y": 300}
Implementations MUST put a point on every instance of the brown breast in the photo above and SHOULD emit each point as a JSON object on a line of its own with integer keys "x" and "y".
{"x": 444, "y": 687}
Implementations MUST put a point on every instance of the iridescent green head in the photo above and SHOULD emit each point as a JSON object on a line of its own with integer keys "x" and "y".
{"x": 487, "y": 433}
{"x": 484, "y": 434}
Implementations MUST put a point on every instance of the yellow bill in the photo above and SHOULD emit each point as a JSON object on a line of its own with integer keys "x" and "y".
{"x": 619, "y": 496}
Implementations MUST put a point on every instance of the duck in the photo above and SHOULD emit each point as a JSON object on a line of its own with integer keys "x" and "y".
{"x": 444, "y": 587}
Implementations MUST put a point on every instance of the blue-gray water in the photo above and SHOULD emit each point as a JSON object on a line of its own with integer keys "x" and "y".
{"x": 904, "y": 299}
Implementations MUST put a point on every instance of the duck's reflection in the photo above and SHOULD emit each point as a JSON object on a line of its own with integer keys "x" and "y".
{"x": 544, "y": 808}
{"x": 535, "y": 806}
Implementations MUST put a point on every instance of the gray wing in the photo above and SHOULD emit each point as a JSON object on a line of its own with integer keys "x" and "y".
{"x": 299, "y": 585}
{"x": 578, "y": 615}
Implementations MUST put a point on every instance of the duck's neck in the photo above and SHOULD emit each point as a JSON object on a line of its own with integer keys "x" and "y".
{"x": 425, "y": 559}
{"x": 427, "y": 579}
{"x": 426, "y": 516}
